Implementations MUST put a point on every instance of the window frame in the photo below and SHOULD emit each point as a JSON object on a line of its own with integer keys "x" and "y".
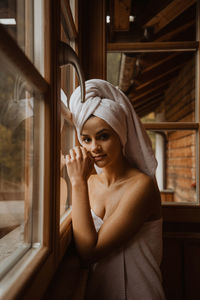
{"x": 39, "y": 264}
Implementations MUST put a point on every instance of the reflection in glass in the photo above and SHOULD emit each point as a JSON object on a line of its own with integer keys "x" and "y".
{"x": 20, "y": 165}
{"x": 176, "y": 172}
{"x": 67, "y": 142}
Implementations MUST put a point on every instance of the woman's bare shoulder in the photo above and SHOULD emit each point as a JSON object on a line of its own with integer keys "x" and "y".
{"x": 143, "y": 189}
{"x": 136, "y": 177}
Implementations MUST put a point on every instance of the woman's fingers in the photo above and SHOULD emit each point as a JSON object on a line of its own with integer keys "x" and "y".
{"x": 84, "y": 152}
{"x": 78, "y": 152}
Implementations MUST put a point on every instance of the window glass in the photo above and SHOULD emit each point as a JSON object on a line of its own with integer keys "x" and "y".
{"x": 67, "y": 142}
{"x": 175, "y": 152}
{"x": 23, "y": 20}
{"x": 21, "y": 165}
{"x": 67, "y": 128}
{"x": 158, "y": 84}
{"x": 113, "y": 67}
{"x": 17, "y": 18}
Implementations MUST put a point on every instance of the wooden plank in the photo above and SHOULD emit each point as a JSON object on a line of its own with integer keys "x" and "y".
{"x": 152, "y": 47}
{"x": 122, "y": 10}
{"x": 10, "y": 49}
{"x": 150, "y": 65}
{"x": 152, "y": 80}
{"x": 168, "y": 14}
{"x": 171, "y": 34}
{"x": 69, "y": 21}
{"x": 148, "y": 107}
{"x": 197, "y": 96}
{"x": 167, "y": 63}
{"x": 172, "y": 125}
{"x": 139, "y": 96}
{"x": 141, "y": 106}
{"x": 93, "y": 38}
{"x": 145, "y": 100}
{"x": 179, "y": 212}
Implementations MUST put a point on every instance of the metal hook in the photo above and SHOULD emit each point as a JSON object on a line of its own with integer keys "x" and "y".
{"x": 68, "y": 56}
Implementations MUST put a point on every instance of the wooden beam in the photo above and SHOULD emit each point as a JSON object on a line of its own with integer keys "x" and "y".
{"x": 150, "y": 92}
{"x": 92, "y": 38}
{"x": 172, "y": 126}
{"x": 148, "y": 104}
{"x": 168, "y": 14}
{"x": 143, "y": 101}
{"x": 121, "y": 12}
{"x": 171, "y": 34}
{"x": 152, "y": 47}
{"x": 149, "y": 80}
{"x": 148, "y": 86}
{"x": 156, "y": 64}
{"x": 148, "y": 109}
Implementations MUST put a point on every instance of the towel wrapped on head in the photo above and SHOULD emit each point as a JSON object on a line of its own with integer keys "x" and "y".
{"x": 107, "y": 102}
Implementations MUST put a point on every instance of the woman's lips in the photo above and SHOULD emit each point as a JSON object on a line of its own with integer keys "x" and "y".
{"x": 99, "y": 157}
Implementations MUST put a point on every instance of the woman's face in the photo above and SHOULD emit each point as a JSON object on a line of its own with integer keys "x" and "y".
{"x": 101, "y": 141}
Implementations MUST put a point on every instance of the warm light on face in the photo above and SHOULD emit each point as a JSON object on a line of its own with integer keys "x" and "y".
{"x": 101, "y": 141}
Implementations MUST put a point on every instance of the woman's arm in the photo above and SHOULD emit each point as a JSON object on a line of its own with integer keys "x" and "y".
{"x": 79, "y": 167}
{"x": 132, "y": 211}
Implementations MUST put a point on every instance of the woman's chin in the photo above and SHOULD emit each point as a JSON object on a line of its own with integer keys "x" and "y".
{"x": 100, "y": 164}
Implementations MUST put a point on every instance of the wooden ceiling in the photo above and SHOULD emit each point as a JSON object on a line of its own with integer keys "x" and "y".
{"x": 146, "y": 72}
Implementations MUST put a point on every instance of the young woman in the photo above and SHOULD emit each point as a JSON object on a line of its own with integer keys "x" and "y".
{"x": 116, "y": 213}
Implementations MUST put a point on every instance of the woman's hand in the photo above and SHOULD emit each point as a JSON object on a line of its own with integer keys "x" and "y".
{"x": 79, "y": 164}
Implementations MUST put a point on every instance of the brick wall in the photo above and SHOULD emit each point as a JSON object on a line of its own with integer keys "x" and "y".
{"x": 180, "y": 145}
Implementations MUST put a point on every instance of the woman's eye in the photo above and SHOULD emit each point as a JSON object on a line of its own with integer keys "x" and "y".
{"x": 86, "y": 140}
{"x": 104, "y": 136}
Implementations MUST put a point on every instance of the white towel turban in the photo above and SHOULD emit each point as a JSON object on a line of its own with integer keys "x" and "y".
{"x": 107, "y": 102}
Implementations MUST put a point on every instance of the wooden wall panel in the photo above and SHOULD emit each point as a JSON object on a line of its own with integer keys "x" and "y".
{"x": 172, "y": 269}
{"x": 192, "y": 269}
{"x": 92, "y": 38}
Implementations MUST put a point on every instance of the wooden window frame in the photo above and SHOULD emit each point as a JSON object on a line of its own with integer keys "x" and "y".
{"x": 30, "y": 276}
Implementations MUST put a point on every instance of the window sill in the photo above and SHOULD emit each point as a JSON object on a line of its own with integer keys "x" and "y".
{"x": 18, "y": 277}
{"x": 65, "y": 233}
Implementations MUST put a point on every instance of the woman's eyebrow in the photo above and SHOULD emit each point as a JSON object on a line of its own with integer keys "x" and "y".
{"x": 97, "y": 133}
{"x": 101, "y": 131}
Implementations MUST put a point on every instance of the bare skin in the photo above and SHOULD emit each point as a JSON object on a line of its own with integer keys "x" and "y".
{"x": 121, "y": 195}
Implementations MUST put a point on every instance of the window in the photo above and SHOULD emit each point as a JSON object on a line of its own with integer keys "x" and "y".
{"x": 22, "y": 137}
{"x": 25, "y": 144}
{"x": 156, "y": 61}
{"x": 21, "y": 165}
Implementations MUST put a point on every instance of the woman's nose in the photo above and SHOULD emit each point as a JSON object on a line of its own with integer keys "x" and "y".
{"x": 95, "y": 147}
